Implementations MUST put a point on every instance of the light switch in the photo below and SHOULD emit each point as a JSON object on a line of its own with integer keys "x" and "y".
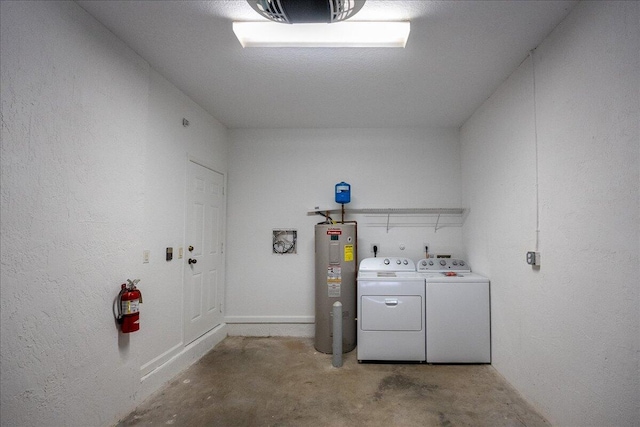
{"x": 145, "y": 257}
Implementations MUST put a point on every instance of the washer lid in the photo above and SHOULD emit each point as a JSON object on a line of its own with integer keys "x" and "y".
{"x": 458, "y": 278}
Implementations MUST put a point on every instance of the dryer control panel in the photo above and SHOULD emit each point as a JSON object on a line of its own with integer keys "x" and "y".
{"x": 436, "y": 265}
{"x": 387, "y": 264}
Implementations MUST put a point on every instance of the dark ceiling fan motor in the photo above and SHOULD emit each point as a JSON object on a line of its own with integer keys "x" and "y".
{"x": 306, "y": 11}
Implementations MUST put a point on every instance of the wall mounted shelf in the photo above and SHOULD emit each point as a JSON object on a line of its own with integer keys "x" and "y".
{"x": 403, "y": 217}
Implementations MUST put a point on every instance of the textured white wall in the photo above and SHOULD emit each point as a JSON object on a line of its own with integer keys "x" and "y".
{"x": 566, "y": 336}
{"x": 277, "y": 175}
{"x": 167, "y": 149}
{"x": 93, "y": 171}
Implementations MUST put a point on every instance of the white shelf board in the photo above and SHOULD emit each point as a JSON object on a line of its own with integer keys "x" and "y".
{"x": 392, "y": 211}
{"x": 403, "y": 217}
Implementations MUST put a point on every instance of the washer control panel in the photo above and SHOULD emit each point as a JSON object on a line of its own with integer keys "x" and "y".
{"x": 443, "y": 264}
{"x": 387, "y": 264}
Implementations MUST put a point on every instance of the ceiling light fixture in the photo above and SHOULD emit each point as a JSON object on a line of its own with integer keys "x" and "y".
{"x": 341, "y": 34}
{"x": 306, "y": 11}
{"x": 310, "y": 19}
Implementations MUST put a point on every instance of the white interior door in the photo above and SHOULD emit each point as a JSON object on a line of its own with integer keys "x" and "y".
{"x": 204, "y": 263}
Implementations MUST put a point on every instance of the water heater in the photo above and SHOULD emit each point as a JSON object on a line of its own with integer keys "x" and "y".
{"x": 336, "y": 267}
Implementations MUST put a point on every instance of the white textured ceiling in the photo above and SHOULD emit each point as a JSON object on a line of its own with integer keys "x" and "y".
{"x": 457, "y": 55}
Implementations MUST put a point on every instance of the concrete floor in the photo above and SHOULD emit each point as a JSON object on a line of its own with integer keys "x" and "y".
{"x": 285, "y": 382}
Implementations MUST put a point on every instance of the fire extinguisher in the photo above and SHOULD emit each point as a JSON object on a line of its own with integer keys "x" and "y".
{"x": 128, "y": 301}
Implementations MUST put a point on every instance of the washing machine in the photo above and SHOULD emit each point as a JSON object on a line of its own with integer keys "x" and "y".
{"x": 391, "y": 311}
{"x": 458, "y": 315}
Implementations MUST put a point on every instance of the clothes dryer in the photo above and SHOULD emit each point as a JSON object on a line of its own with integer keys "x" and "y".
{"x": 391, "y": 311}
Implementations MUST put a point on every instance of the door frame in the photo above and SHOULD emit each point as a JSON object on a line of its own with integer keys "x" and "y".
{"x": 223, "y": 239}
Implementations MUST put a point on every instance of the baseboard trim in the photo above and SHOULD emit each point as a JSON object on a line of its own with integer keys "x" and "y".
{"x": 148, "y": 367}
{"x": 191, "y": 353}
{"x": 302, "y": 330}
{"x": 270, "y": 319}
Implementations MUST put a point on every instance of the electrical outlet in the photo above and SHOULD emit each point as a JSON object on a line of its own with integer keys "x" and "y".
{"x": 377, "y": 245}
{"x": 533, "y": 258}
{"x": 424, "y": 249}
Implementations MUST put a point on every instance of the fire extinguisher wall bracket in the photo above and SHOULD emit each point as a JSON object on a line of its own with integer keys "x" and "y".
{"x": 128, "y": 304}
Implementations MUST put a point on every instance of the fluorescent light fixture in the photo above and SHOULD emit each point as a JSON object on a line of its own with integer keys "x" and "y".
{"x": 337, "y": 34}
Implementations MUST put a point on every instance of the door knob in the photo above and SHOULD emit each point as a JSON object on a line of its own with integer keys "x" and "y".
{"x": 190, "y": 248}
{"x": 192, "y": 261}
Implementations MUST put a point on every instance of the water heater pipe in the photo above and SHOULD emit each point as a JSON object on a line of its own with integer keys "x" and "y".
{"x": 337, "y": 335}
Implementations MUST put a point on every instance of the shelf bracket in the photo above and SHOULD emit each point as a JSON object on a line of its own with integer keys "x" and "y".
{"x": 435, "y": 230}
{"x": 388, "y": 217}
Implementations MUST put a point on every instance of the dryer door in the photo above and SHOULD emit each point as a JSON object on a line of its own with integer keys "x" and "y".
{"x": 391, "y": 313}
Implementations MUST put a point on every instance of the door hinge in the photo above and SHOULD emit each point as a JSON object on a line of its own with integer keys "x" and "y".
{"x": 222, "y": 247}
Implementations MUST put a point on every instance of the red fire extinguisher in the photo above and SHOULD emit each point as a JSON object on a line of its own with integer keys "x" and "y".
{"x": 129, "y": 300}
